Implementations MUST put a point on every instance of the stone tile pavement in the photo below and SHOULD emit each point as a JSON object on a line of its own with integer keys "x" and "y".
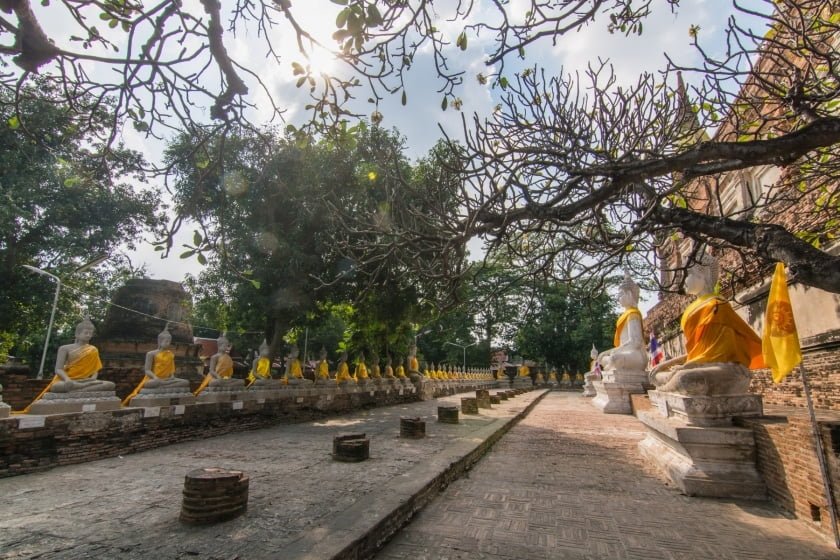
{"x": 302, "y": 504}
{"x": 567, "y": 482}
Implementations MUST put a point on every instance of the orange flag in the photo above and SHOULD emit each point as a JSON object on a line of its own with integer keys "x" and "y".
{"x": 780, "y": 343}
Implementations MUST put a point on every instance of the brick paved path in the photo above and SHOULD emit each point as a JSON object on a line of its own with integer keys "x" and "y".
{"x": 568, "y": 482}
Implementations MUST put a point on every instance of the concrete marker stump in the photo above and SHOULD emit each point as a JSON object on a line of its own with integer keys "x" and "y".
{"x": 351, "y": 448}
{"x": 412, "y": 428}
{"x": 212, "y": 495}
{"x": 448, "y": 414}
{"x": 469, "y": 405}
{"x": 482, "y": 396}
{"x": 495, "y": 399}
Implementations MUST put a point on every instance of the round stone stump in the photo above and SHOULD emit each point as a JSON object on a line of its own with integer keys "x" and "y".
{"x": 448, "y": 414}
{"x": 212, "y": 495}
{"x": 482, "y": 396}
{"x": 412, "y": 428}
{"x": 469, "y": 405}
{"x": 351, "y": 448}
{"x": 502, "y": 395}
{"x": 495, "y": 399}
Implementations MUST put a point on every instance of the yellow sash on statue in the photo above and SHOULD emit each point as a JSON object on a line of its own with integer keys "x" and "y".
{"x": 224, "y": 368}
{"x": 715, "y": 333}
{"x": 262, "y": 371}
{"x": 524, "y": 371}
{"x": 622, "y": 320}
{"x": 413, "y": 364}
{"x": 361, "y": 371}
{"x": 323, "y": 370}
{"x": 400, "y": 372}
{"x": 163, "y": 367}
{"x": 295, "y": 370}
{"x": 343, "y": 373}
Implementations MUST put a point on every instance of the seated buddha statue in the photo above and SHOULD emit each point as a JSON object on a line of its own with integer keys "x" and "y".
{"x": 342, "y": 374}
{"x": 220, "y": 369}
{"x": 76, "y": 366}
{"x": 400, "y": 371}
{"x": 629, "y": 351}
{"x": 524, "y": 371}
{"x": 375, "y": 370}
{"x": 322, "y": 372}
{"x": 721, "y": 347}
{"x": 160, "y": 369}
{"x": 260, "y": 373}
{"x": 294, "y": 371}
{"x": 389, "y": 368}
{"x": 360, "y": 373}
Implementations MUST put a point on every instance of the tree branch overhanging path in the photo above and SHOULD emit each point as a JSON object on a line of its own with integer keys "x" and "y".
{"x": 572, "y": 175}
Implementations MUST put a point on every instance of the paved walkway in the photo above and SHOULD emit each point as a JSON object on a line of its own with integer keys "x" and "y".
{"x": 567, "y": 482}
{"x": 302, "y": 504}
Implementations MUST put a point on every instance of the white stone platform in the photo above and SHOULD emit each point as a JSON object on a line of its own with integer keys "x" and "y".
{"x": 77, "y": 401}
{"x": 614, "y": 388}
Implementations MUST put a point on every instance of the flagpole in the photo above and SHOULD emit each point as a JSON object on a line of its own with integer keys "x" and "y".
{"x": 829, "y": 495}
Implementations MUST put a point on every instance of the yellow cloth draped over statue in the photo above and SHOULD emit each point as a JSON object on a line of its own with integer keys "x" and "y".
{"x": 323, "y": 371}
{"x": 715, "y": 333}
{"x": 163, "y": 367}
{"x": 413, "y": 364}
{"x": 343, "y": 373}
{"x": 524, "y": 371}
{"x": 295, "y": 371}
{"x": 361, "y": 371}
{"x": 81, "y": 363}
{"x": 622, "y": 320}
{"x": 224, "y": 368}
{"x": 400, "y": 372}
{"x": 262, "y": 371}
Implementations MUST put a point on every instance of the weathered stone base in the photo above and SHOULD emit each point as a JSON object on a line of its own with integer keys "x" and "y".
{"x": 588, "y": 387}
{"x": 146, "y": 399}
{"x": 614, "y": 389}
{"x": 5, "y": 410}
{"x": 716, "y": 462}
{"x": 520, "y": 382}
{"x": 222, "y": 395}
{"x": 80, "y": 401}
{"x": 706, "y": 411}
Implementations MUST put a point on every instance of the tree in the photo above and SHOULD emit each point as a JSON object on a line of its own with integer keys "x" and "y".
{"x": 577, "y": 176}
{"x": 564, "y": 326}
{"x": 64, "y": 205}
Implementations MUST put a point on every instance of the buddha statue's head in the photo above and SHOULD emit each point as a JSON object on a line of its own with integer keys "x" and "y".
{"x": 593, "y": 353}
{"x": 388, "y": 361}
{"x": 164, "y": 338}
{"x": 264, "y": 349}
{"x": 294, "y": 352}
{"x": 628, "y": 292}
{"x": 322, "y": 355}
{"x": 84, "y": 330}
{"x": 223, "y": 344}
{"x": 343, "y": 357}
{"x": 412, "y": 351}
{"x": 703, "y": 276}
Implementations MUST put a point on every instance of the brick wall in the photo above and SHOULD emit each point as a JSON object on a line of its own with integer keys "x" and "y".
{"x": 787, "y": 460}
{"x": 823, "y": 370}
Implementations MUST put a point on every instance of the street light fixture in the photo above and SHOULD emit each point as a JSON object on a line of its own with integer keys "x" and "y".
{"x": 464, "y": 348}
{"x": 84, "y": 267}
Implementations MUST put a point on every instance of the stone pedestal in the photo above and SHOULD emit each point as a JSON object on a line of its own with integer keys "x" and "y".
{"x": 78, "y": 401}
{"x": 588, "y": 386}
{"x": 522, "y": 382}
{"x": 223, "y": 393}
{"x": 614, "y": 388}
{"x": 162, "y": 397}
{"x": 5, "y": 409}
{"x": 692, "y": 440}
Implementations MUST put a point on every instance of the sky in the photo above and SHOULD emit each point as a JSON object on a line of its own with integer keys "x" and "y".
{"x": 422, "y": 119}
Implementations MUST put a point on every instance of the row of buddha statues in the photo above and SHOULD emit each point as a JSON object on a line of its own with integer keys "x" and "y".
{"x": 721, "y": 347}
{"x": 78, "y": 365}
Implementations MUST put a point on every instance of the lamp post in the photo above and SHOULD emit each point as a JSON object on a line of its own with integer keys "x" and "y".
{"x": 464, "y": 348}
{"x": 36, "y": 270}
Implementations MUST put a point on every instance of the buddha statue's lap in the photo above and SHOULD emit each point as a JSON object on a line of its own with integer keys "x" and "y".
{"x": 629, "y": 348}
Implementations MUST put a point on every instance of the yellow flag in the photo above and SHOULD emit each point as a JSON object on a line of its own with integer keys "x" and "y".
{"x": 780, "y": 343}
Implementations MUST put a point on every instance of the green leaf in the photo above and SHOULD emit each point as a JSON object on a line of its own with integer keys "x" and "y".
{"x": 374, "y": 18}
{"x": 14, "y": 122}
{"x": 187, "y": 254}
{"x": 444, "y": 104}
{"x": 503, "y": 82}
{"x": 104, "y": 16}
{"x": 461, "y": 42}
{"x": 404, "y": 98}
{"x": 341, "y": 18}
{"x": 256, "y": 283}
{"x": 202, "y": 259}
{"x": 197, "y": 239}
{"x": 340, "y": 2}
{"x": 113, "y": 23}
{"x": 159, "y": 247}
{"x": 297, "y": 69}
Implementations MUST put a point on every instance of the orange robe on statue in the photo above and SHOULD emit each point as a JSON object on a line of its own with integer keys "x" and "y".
{"x": 224, "y": 367}
{"x": 715, "y": 333}
{"x": 81, "y": 363}
{"x": 163, "y": 367}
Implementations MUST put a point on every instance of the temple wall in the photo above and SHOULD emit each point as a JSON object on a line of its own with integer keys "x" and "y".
{"x": 787, "y": 461}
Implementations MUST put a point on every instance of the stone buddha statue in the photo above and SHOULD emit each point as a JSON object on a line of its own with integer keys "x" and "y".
{"x": 260, "y": 373}
{"x": 412, "y": 365}
{"x": 721, "y": 347}
{"x": 629, "y": 351}
{"x": 220, "y": 369}
{"x": 375, "y": 370}
{"x": 360, "y": 373}
{"x": 389, "y": 368}
{"x": 400, "y": 371}
{"x": 78, "y": 364}
{"x": 524, "y": 371}
{"x": 322, "y": 373}
{"x": 76, "y": 368}
{"x": 160, "y": 369}
{"x": 342, "y": 374}
{"x": 294, "y": 371}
